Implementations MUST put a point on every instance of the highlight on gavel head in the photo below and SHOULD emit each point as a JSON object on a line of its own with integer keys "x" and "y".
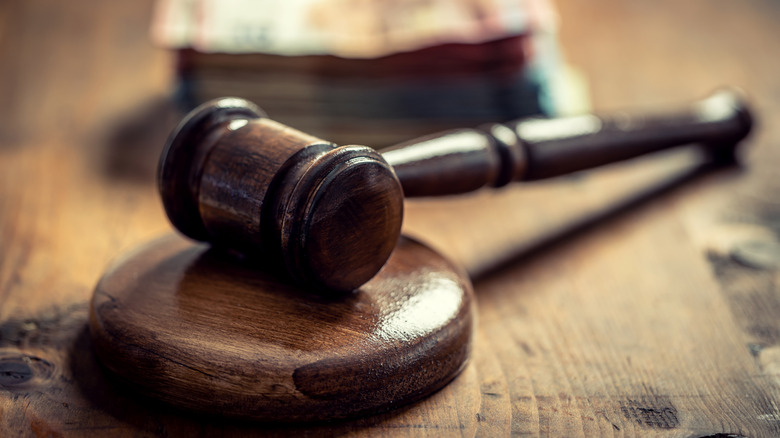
{"x": 233, "y": 177}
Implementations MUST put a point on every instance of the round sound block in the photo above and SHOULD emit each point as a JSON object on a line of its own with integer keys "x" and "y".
{"x": 208, "y": 331}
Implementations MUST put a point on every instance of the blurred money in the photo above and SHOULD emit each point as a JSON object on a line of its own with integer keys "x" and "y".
{"x": 372, "y": 72}
{"x": 346, "y": 28}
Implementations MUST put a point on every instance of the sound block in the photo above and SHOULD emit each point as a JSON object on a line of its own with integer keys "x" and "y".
{"x": 210, "y": 332}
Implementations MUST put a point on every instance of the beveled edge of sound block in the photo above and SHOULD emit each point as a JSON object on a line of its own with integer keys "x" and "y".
{"x": 205, "y": 331}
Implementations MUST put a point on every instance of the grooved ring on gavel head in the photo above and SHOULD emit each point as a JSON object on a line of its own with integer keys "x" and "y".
{"x": 231, "y": 176}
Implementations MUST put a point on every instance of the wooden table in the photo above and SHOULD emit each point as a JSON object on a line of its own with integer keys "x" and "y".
{"x": 638, "y": 300}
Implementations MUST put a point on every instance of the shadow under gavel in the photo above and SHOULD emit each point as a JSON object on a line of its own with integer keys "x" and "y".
{"x": 233, "y": 177}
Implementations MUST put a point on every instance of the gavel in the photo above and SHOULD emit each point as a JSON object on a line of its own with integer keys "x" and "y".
{"x": 332, "y": 214}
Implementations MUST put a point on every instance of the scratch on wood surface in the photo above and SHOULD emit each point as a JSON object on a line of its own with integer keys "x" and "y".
{"x": 654, "y": 412}
{"x": 725, "y": 435}
{"x": 54, "y": 327}
{"x": 752, "y": 295}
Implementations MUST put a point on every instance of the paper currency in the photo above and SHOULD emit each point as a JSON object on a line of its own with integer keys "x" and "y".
{"x": 377, "y": 101}
{"x": 372, "y": 72}
{"x": 347, "y": 28}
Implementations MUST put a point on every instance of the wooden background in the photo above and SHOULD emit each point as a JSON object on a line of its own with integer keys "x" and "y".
{"x": 637, "y": 300}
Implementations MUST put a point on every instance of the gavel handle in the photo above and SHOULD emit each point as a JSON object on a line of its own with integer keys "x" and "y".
{"x": 464, "y": 160}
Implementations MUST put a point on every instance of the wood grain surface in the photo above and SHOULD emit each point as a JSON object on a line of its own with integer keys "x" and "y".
{"x": 640, "y": 300}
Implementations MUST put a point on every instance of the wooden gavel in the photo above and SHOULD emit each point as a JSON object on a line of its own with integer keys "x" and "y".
{"x": 231, "y": 176}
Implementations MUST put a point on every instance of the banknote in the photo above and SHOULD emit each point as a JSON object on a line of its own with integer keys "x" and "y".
{"x": 346, "y": 28}
{"x": 372, "y": 72}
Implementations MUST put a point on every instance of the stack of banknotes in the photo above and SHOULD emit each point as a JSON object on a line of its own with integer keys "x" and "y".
{"x": 371, "y": 72}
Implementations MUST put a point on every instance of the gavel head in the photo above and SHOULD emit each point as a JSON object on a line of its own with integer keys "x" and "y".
{"x": 233, "y": 177}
